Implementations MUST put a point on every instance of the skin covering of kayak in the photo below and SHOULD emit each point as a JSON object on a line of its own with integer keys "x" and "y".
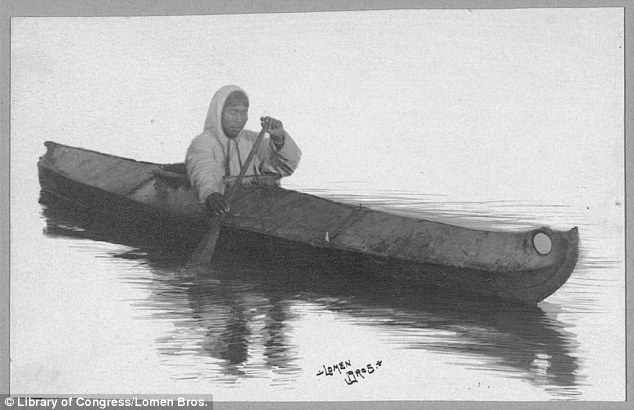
{"x": 519, "y": 266}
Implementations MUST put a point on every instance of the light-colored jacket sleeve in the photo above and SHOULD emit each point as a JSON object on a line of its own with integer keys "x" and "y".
{"x": 204, "y": 163}
{"x": 283, "y": 161}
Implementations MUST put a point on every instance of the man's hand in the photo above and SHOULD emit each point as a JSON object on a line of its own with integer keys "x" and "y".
{"x": 216, "y": 204}
{"x": 275, "y": 128}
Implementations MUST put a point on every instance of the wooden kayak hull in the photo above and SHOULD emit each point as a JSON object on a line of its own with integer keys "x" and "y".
{"x": 503, "y": 265}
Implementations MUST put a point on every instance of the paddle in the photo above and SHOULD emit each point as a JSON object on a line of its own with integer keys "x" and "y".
{"x": 205, "y": 249}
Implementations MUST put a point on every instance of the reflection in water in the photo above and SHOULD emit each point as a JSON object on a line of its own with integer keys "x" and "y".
{"x": 238, "y": 314}
{"x": 237, "y": 323}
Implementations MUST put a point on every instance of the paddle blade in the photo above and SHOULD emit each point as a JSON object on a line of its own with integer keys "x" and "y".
{"x": 205, "y": 250}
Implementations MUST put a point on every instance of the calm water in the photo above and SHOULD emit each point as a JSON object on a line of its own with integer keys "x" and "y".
{"x": 108, "y": 301}
{"x": 498, "y": 119}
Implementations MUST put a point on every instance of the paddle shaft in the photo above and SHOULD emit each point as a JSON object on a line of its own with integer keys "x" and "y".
{"x": 205, "y": 249}
{"x": 232, "y": 189}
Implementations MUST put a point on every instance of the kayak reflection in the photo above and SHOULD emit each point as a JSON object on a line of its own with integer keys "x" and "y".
{"x": 239, "y": 313}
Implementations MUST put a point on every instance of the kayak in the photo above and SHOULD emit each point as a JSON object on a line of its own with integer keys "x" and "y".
{"x": 518, "y": 266}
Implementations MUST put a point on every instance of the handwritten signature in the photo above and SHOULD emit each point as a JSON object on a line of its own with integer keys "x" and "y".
{"x": 352, "y": 375}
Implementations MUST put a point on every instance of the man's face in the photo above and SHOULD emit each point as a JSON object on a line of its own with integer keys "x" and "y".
{"x": 234, "y": 118}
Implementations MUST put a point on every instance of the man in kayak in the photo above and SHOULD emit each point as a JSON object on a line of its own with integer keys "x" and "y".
{"x": 224, "y": 145}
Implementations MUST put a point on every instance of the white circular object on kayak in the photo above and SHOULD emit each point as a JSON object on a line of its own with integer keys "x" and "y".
{"x": 543, "y": 244}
